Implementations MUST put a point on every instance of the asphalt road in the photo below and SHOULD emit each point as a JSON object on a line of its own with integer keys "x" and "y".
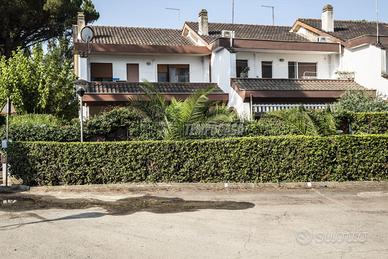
{"x": 314, "y": 223}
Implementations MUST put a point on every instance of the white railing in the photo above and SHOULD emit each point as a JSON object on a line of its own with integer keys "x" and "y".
{"x": 263, "y": 108}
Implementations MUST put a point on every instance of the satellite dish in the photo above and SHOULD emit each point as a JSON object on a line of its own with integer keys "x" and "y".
{"x": 87, "y": 34}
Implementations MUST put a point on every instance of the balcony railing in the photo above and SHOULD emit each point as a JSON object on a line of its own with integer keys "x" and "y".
{"x": 263, "y": 108}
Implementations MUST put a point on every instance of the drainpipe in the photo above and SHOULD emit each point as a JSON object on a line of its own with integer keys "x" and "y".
{"x": 340, "y": 56}
{"x": 251, "y": 106}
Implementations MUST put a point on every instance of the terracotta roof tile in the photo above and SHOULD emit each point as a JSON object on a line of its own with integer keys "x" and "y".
{"x": 296, "y": 85}
{"x": 346, "y": 30}
{"x": 134, "y": 88}
{"x": 250, "y": 31}
{"x": 139, "y": 36}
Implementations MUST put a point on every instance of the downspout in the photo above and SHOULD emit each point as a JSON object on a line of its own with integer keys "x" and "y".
{"x": 251, "y": 106}
{"x": 340, "y": 56}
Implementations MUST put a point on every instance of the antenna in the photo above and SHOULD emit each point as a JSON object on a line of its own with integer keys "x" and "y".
{"x": 377, "y": 22}
{"x": 233, "y": 11}
{"x": 175, "y": 10}
{"x": 273, "y": 12}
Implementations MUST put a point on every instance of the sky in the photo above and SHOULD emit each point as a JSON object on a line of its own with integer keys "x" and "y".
{"x": 153, "y": 13}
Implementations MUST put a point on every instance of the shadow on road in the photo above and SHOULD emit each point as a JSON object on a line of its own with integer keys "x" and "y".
{"x": 20, "y": 203}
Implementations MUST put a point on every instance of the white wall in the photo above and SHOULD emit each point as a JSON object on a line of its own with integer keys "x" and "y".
{"x": 84, "y": 70}
{"x": 223, "y": 65}
{"x": 243, "y": 108}
{"x": 199, "y": 66}
{"x": 368, "y": 62}
{"x": 326, "y": 64}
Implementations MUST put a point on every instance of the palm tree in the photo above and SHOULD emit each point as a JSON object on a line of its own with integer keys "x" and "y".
{"x": 307, "y": 122}
{"x": 177, "y": 115}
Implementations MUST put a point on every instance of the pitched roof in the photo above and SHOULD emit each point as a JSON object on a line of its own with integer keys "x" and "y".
{"x": 346, "y": 30}
{"x": 250, "y": 31}
{"x": 296, "y": 85}
{"x": 135, "y": 88}
{"x": 139, "y": 36}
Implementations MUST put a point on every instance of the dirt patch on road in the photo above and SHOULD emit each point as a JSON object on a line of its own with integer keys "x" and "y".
{"x": 154, "y": 204}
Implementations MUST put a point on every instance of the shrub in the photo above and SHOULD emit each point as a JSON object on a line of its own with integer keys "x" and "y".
{"x": 259, "y": 159}
{"x": 360, "y": 102}
{"x": 122, "y": 124}
{"x": 34, "y": 119}
{"x": 298, "y": 122}
{"x": 370, "y": 123}
{"x": 269, "y": 127}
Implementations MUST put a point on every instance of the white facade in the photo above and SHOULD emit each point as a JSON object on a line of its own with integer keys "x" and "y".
{"x": 199, "y": 66}
{"x": 327, "y": 64}
{"x": 368, "y": 63}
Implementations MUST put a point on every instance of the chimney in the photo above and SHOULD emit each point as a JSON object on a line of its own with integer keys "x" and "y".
{"x": 80, "y": 22}
{"x": 203, "y": 23}
{"x": 328, "y": 18}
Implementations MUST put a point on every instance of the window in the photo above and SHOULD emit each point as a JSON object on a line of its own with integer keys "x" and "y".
{"x": 242, "y": 67}
{"x": 307, "y": 70}
{"x": 292, "y": 67}
{"x": 133, "y": 73}
{"x": 174, "y": 73}
{"x": 101, "y": 72}
{"x": 266, "y": 69}
{"x": 302, "y": 70}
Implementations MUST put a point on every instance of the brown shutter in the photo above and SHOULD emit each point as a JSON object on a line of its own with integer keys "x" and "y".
{"x": 101, "y": 71}
{"x": 133, "y": 73}
{"x": 307, "y": 70}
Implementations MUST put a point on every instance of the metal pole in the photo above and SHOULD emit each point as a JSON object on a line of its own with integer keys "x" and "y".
{"x": 82, "y": 120}
{"x": 377, "y": 21}
{"x": 232, "y": 11}
{"x": 5, "y": 163}
{"x": 175, "y": 10}
{"x": 7, "y": 120}
{"x": 273, "y": 12}
{"x": 251, "y": 104}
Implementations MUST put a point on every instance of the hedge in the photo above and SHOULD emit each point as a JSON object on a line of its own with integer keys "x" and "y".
{"x": 259, "y": 159}
{"x": 370, "y": 123}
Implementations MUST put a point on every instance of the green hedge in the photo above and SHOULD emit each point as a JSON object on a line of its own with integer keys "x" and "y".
{"x": 370, "y": 123}
{"x": 259, "y": 159}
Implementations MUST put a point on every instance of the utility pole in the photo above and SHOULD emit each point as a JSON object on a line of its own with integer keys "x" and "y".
{"x": 273, "y": 12}
{"x": 233, "y": 11}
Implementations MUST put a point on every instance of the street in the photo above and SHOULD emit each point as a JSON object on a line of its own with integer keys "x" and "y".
{"x": 285, "y": 223}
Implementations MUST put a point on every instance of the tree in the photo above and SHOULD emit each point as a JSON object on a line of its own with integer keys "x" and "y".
{"x": 177, "y": 115}
{"x": 40, "y": 83}
{"x": 24, "y": 23}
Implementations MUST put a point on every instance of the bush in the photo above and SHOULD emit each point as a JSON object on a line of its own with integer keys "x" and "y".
{"x": 259, "y": 159}
{"x": 122, "y": 124}
{"x": 294, "y": 122}
{"x": 269, "y": 127}
{"x": 118, "y": 124}
{"x": 35, "y": 119}
{"x": 360, "y": 102}
{"x": 370, "y": 123}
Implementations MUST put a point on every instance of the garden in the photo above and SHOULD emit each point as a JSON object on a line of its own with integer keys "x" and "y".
{"x": 200, "y": 141}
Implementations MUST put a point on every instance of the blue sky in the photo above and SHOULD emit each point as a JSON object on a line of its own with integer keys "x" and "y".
{"x": 152, "y": 13}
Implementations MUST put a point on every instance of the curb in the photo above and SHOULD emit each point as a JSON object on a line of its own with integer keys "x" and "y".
{"x": 14, "y": 189}
{"x": 175, "y": 187}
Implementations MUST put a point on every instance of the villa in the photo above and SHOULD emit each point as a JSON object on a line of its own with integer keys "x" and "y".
{"x": 254, "y": 68}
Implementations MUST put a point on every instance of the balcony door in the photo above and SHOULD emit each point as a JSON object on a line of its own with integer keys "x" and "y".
{"x": 133, "y": 73}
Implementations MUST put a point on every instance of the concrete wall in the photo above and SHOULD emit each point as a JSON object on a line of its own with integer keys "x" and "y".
{"x": 327, "y": 64}
{"x": 367, "y": 62}
{"x": 199, "y": 66}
